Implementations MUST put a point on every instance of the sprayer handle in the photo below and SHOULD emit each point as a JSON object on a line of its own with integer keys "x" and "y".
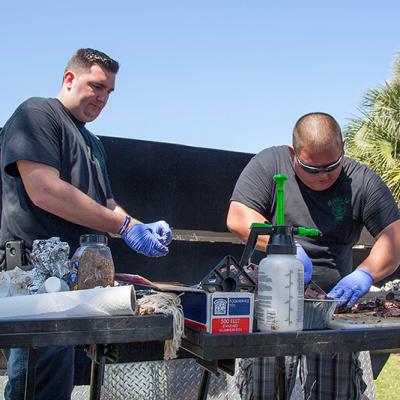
{"x": 256, "y": 230}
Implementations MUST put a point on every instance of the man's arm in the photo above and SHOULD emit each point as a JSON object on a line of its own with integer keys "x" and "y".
{"x": 160, "y": 229}
{"x": 384, "y": 257}
{"x": 50, "y": 193}
{"x": 382, "y": 261}
{"x": 239, "y": 219}
{"x": 112, "y": 205}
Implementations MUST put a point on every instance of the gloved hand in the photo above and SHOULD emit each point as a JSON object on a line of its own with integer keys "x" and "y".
{"x": 302, "y": 256}
{"x": 163, "y": 231}
{"x": 144, "y": 238}
{"x": 353, "y": 286}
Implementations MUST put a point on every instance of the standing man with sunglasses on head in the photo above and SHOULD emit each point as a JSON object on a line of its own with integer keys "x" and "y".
{"x": 335, "y": 194}
{"x": 55, "y": 183}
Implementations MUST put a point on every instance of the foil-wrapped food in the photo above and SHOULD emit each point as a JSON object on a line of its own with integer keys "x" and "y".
{"x": 49, "y": 258}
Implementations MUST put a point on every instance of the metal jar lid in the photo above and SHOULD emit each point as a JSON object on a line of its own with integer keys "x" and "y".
{"x": 93, "y": 238}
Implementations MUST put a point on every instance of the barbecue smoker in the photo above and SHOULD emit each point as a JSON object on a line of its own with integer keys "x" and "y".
{"x": 190, "y": 188}
{"x": 195, "y": 203}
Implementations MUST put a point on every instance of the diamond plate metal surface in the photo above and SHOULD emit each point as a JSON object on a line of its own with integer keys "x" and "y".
{"x": 161, "y": 380}
{"x": 178, "y": 380}
{"x": 80, "y": 393}
{"x": 368, "y": 376}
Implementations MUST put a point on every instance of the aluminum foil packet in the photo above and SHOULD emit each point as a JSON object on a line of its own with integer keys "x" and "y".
{"x": 49, "y": 258}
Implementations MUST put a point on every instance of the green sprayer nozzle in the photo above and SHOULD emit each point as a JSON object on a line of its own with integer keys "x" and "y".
{"x": 308, "y": 231}
{"x": 280, "y": 180}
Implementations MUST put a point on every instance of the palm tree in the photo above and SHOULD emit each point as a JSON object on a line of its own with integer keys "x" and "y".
{"x": 374, "y": 137}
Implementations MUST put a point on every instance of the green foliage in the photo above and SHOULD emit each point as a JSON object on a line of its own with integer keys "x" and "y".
{"x": 373, "y": 138}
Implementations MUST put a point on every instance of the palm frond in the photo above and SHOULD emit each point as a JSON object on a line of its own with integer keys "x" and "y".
{"x": 373, "y": 137}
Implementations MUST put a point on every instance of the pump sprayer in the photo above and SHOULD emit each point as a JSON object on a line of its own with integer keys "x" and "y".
{"x": 280, "y": 294}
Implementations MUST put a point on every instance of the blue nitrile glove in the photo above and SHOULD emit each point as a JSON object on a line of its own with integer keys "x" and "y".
{"x": 163, "y": 231}
{"x": 353, "y": 286}
{"x": 302, "y": 256}
{"x": 143, "y": 239}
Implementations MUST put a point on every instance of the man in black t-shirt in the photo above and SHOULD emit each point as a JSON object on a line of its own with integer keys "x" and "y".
{"x": 55, "y": 183}
{"x": 327, "y": 191}
{"x": 330, "y": 192}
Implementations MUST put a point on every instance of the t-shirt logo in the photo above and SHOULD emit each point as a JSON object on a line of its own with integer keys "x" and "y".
{"x": 98, "y": 156}
{"x": 339, "y": 206}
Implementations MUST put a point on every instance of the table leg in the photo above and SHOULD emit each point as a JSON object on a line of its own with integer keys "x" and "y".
{"x": 97, "y": 373}
{"x": 31, "y": 374}
{"x": 204, "y": 384}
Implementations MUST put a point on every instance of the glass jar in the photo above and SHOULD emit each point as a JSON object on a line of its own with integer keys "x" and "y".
{"x": 93, "y": 262}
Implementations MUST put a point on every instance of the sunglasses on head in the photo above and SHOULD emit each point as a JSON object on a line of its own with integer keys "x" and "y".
{"x": 316, "y": 170}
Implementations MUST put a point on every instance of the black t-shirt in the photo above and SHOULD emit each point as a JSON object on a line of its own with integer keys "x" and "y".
{"x": 358, "y": 198}
{"x": 42, "y": 130}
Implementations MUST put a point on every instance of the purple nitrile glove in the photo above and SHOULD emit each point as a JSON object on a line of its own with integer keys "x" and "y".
{"x": 353, "y": 286}
{"x": 143, "y": 239}
{"x": 302, "y": 256}
{"x": 162, "y": 229}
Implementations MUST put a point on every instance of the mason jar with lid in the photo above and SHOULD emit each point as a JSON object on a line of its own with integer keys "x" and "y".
{"x": 93, "y": 262}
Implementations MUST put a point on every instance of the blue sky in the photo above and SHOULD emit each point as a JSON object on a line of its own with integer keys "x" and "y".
{"x": 223, "y": 74}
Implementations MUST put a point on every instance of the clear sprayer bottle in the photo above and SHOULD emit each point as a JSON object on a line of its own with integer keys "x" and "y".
{"x": 279, "y": 304}
{"x": 280, "y": 295}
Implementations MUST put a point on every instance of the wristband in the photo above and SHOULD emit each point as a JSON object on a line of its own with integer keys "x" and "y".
{"x": 124, "y": 226}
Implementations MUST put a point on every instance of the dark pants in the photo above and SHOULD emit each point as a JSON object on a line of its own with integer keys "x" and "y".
{"x": 54, "y": 373}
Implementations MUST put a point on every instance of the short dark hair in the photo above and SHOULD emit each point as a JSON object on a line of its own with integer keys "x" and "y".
{"x": 316, "y": 130}
{"x": 85, "y": 58}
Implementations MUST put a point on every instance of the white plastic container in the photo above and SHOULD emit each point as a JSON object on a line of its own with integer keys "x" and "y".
{"x": 279, "y": 304}
{"x": 52, "y": 285}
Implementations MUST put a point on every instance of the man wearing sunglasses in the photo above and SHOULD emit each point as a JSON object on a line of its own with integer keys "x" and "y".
{"x": 335, "y": 194}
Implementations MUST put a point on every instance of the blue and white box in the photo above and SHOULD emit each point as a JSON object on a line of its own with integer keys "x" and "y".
{"x": 219, "y": 312}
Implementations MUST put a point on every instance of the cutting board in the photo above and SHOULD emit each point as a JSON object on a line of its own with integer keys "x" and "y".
{"x": 362, "y": 320}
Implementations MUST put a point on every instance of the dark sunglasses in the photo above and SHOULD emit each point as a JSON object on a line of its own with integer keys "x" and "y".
{"x": 316, "y": 170}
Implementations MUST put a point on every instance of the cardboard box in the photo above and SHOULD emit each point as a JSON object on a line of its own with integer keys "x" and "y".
{"x": 219, "y": 312}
